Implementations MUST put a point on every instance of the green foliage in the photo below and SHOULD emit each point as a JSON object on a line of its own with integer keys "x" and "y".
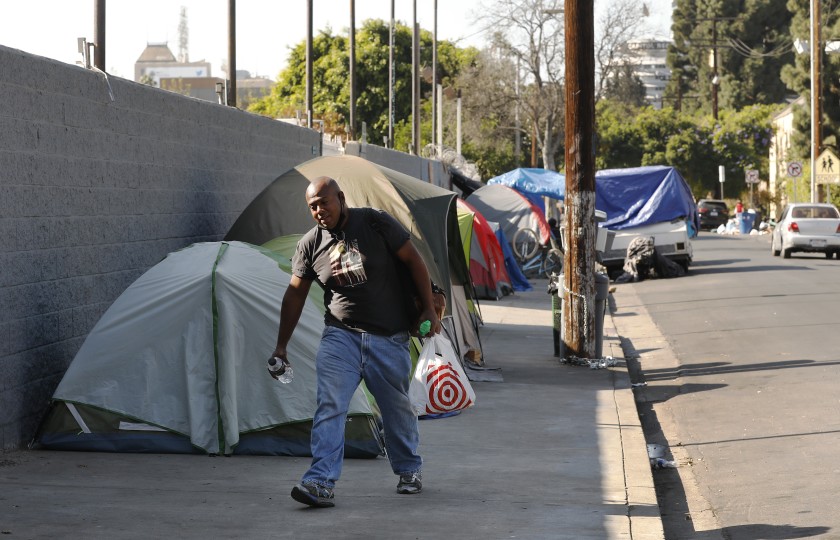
{"x": 797, "y": 76}
{"x": 331, "y": 80}
{"x": 491, "y": 160}
{"x": 695, "y": 145}
{"x": 753, "y": 46}
{"x": 625, "y": 87}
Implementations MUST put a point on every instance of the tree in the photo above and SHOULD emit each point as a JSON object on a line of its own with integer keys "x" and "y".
{"x": 752, "y": 41}
{"x": 625, "y": 86}
{"x": 489, "y": 122}
{"x": 331, "y": 90}
{"x": 622, "y": 21}
{"x": 631, "y": 137}
{"x": 531, "y": 35}
{"x": 797, "y": 76}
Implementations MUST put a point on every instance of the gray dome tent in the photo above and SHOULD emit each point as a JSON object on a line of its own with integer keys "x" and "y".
{"x": 178, "y": 364}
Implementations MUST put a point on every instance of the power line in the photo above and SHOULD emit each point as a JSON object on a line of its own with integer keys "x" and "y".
{"x": 745, "y": 50}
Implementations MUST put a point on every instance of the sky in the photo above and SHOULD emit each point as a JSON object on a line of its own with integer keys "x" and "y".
{"x": 265, "y": 29}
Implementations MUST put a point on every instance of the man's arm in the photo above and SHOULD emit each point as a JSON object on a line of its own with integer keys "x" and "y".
{"x": 409, "y": 255}
{"x": 290, "y": 310}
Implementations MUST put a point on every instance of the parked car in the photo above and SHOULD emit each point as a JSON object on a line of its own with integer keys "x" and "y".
{"x": 809, "y": 227}
{"x": 713, "y": 213}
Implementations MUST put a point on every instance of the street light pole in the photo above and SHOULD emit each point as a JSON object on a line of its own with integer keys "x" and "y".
{"x": 231, "y": 86}
{"x": 99, "y": 35}
{"x": 309, "y": 64}
{"x": 391, "y": 80}
{"x": 352, "y": 59}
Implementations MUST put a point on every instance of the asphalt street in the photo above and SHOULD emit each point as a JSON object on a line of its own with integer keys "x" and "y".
{"x": 741, "y": 367}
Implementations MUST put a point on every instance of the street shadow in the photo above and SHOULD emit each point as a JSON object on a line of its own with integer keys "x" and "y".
{"x": 757, "y": 268}
{"x": 716, "y": 262}
{"x": 671, "y": 495}
{"x": 771, "y": 532}
{"x": 718, "y": 368}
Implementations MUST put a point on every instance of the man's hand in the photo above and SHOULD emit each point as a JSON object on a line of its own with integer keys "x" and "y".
{"x": 434, "y": 320}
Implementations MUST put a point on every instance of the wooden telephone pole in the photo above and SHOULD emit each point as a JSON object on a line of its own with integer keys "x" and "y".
{"x": 579, "y": 259}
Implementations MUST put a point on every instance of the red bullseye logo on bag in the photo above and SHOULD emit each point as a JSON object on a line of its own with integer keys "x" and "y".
{"x": 446, "y": 391}
{"x": 439, "y": 384}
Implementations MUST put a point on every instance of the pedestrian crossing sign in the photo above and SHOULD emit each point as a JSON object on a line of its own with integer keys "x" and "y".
{"x": 827, "y": 168}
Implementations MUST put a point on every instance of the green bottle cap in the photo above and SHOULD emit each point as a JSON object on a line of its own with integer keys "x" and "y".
{"x": 425, "y": 326}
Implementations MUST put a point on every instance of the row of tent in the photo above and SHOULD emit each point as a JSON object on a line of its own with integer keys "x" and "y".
{"x": 630, "y": 198}
{"x": 177, "y": 362}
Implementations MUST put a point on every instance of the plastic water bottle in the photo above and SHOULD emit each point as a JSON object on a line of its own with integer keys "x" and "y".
{"x": 281, "y": 370}
{"x": 425, "y": 327}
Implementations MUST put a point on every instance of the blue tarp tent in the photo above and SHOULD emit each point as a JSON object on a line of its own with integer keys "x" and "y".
{"x": 534, "y": 184}
{"x": 631, "y": 197}
{"x": 643, "y": 196}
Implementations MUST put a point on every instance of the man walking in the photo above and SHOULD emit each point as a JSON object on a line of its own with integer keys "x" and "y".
{"x": 354, "y": 254}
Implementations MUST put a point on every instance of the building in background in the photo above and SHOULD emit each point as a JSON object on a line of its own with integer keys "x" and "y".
{"x": 157, "y": 66}
{"x": 780, "y": 156}
{"x": 157, "y": 62}
{"x": 647, "y": 57}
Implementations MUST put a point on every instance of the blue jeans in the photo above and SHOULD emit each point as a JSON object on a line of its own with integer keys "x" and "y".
{"x": 344, "y": 359}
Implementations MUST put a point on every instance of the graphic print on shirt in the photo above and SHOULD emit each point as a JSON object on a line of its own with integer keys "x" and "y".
{"x": 346, "y": 264}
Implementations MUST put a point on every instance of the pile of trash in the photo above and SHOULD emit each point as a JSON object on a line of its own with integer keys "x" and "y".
{"x": 644, "y": 262}
{"x": 744, "y": 225}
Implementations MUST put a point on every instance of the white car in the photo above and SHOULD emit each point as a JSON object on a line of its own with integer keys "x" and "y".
{"x": 809, "y": 227}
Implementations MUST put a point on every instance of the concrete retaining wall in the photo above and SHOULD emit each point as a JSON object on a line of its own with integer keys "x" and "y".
{"x": 428, "y": 170}
{"x": 93, "y": 192}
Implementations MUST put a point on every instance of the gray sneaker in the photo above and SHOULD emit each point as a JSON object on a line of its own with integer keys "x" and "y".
{"x": 410, "y": 484}
{"x": 313, "y": 495}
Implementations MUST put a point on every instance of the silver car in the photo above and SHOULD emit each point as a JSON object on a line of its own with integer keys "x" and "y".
{"x": 810, "y": 227}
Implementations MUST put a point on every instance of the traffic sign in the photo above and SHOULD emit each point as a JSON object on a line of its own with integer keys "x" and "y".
{"x": 794, "y": 169}
{"x": 751, "y": 176}
{"x": 828, "y": 168}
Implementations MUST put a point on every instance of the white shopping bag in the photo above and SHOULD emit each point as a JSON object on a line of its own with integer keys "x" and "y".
{"x": 439, "y": 384}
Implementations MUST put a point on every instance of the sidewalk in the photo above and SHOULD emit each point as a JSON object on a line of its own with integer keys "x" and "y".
{"x": 553, "y": 452}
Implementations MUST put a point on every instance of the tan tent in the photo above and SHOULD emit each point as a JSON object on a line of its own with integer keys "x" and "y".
{"x": 428, "y": 212}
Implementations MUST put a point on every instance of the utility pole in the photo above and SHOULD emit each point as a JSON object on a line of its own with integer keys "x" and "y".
{"x": 579, "y": 260}
{"x": 816, "y": 94}
{"x": 714, "y": 59}
{"x": 715, "y": 79}
{"x": 517, "y": 151}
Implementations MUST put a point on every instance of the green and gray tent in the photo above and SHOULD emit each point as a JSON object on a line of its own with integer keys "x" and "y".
{"x": 178, "y": 364}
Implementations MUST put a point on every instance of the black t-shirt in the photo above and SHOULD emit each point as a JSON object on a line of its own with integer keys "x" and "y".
{"x": 356, "y": 267}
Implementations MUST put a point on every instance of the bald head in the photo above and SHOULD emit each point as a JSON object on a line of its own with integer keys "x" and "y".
{"x": 322, "y": 185}
{"x": 326, "y": 202}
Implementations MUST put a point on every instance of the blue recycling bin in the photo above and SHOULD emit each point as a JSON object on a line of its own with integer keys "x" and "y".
{"x": 745, "y": 223}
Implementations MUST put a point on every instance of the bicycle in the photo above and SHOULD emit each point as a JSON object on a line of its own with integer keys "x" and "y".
{"x": 535, "y": 259}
